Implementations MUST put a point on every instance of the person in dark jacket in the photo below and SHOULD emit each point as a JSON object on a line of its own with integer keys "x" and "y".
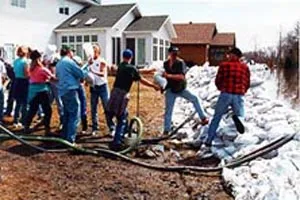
{"x": 117, "y": 104}
{"x": 233, "y": 80}
{"x": 176, "y": 87}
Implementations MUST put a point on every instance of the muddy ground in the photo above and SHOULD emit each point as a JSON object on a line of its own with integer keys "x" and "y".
{"x": 29, "y": 175}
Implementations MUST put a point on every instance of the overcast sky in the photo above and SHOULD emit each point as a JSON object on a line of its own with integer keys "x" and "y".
{"x": 255, "y": 22}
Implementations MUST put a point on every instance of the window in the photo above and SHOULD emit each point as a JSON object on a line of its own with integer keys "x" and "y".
{"x": 79, "y": 50}
{"x": 64, "y": 39}
{"x": 90, "y": 21}
{"x": 141, "y": 51}
{"x": 161, "y": 50}
{"x": 65, "y": 11}
{"x": 94, "y": 38}
{"x": 71, "y": 39}
{"x": 167, "y": 46}
{"x": 155, "y": 49}
{"x": 77, "y": 41}
{"x": 116, "y": 51}
{"x": 19, "y": 3}
{"x": 78, "y": 38}
{"x": 86, "y": 38}
{"x": 75, "y": 22}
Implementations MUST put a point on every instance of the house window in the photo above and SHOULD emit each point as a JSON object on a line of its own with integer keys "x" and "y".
{"x": 141, "y": 51}
{"x": 64, "y": 39}
{"x": 64, "y": 10}
{"x": 79, "y": 38}
{"x": 116, "y": 50}
{"x": 94, "y": 38}
{"x": 72, "y": 39}
{"x": 77, "y": 41}
{"x": 155, "y": 49}
{"x": 19, "y": 3}
{"x": 161, "y": 50}
{"x": 167, "y": 46}
{"x": 86, "y": 38}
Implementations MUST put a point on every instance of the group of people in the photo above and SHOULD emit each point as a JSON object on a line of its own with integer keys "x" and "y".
{"x": 37, "y": 82}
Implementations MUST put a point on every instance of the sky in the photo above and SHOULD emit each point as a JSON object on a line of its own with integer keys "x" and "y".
{"x": 257, "y": 23}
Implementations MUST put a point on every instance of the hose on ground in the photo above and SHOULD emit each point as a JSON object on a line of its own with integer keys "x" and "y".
{"x": 105, "y": 152}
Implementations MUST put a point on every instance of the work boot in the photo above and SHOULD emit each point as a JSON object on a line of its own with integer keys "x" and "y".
{"x": 84, "y": 125}
{"x": 238, "y": 124}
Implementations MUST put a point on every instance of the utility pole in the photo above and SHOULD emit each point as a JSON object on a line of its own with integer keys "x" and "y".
{"x": 298, "y": 65}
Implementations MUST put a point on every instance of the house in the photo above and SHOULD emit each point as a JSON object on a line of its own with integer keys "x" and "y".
{"x": 201, "y": 42}
{"x": 31, "y": 22}
{"x": 116, "y": 27}
{"x": 37, "y": 23}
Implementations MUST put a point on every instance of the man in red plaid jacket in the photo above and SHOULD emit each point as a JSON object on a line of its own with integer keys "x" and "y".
{"x": 233, "y": 80}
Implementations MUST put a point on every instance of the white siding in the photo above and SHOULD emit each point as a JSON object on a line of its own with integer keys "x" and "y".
{"x": 117, "y": 31}
{"x": 34, "y": 24}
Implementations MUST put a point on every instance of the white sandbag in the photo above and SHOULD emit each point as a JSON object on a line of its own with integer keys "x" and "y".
{"x": 159, "y": 80}
{"x": 88, "y": 49}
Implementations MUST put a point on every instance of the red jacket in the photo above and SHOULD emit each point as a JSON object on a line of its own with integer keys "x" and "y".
{"x": 233, "y": 77}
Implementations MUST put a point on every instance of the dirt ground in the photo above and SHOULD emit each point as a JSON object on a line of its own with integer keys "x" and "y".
{"x": 28, "y": 175}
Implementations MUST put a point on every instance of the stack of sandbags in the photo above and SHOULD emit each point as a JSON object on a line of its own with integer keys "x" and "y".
{"x": 276, "y": 176}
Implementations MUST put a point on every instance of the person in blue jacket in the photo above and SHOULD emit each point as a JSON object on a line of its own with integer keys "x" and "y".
{"x": 69, "y": 75}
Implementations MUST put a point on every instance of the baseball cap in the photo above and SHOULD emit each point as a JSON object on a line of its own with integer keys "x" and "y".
{"x": 237, "y": 52}
{"x": 127, "y": 53}
{"x": 173, "y": 49}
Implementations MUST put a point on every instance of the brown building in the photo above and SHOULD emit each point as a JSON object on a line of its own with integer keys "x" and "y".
{"x": 201, "y": 42}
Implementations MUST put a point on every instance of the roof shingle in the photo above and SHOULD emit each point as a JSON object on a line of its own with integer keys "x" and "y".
{"x": 224, "y": 39}
{"x": 200, "y": 33}
{"x": 147, "y": 23}
{"x": 107, "y": 16}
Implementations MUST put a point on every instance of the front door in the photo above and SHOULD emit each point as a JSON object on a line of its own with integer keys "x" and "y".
{"x": 130, "y": 44}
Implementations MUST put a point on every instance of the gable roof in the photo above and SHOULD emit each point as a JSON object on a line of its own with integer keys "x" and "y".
{"x": 200, "y": 33}
{"x": 147, "y": 23}
{"x": 93, "y": 2}
{"x": 224, "y": 39}
{"x": 106, "y": 15}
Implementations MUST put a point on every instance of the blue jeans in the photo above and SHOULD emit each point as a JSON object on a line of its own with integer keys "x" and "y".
{"x": 121, "y": 127}
{"x": 102, "y": 92}
{"x": 1, "y": 103}
{"x": 54, "y": 96}
{"x": 71, "y": 115}
{"x": 170, "y": 98}
{"x": 82, "y": 100}
{"x": 236, "y": 102}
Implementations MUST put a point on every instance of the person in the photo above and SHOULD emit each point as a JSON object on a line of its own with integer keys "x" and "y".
{"x": 176, "y": 87}
{"x": 99, "y": 89}
{"x": 39, "y": 91}
{"x": 117, "y": 105}
{"x": 2, "y": 80}
{"x": 20, "y": 86}
{"x": 233, "y": 80}
{"x": 69, "y": 75}
{"x": 10, "y": 100}
{"x": 82, "y": 99}
{"x": 54, "y": 92}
